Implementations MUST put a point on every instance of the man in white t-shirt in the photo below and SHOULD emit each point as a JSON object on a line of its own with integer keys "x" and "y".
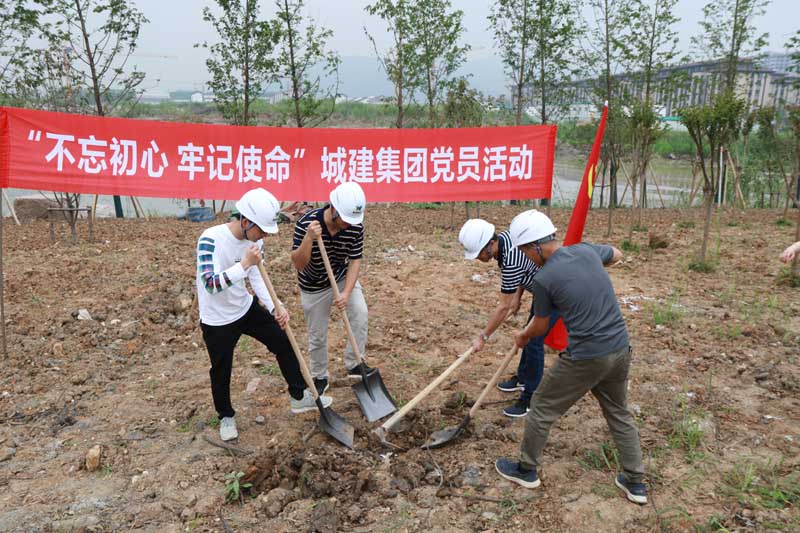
{"x": 227, "y": 254}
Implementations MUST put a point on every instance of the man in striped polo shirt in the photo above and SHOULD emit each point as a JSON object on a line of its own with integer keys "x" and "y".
{"x": 340, "y": 225}
{"x": 517, "y": 271}
{"x": 227, "y": 255}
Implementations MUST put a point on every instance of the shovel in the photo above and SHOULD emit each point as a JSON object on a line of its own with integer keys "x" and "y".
{"x": 447, "y": 435}
{"x": 373, "y": 397}
{"x": 389, "y": 424}
{"x": 329, "y": 420}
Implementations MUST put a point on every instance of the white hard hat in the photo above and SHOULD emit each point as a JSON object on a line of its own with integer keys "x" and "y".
{"x": 530, "y": 226}
{"x": 261, "y": 208}
{"x": 349, "y": 201}
{"x": 474, "y": 235}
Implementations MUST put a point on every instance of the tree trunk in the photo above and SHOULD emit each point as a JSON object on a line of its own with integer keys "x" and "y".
{"x": 246, "y": 66}
{"x": 709, "y": 200}
{"x": 796, "y": 262}
{"x": 298, "y": 117}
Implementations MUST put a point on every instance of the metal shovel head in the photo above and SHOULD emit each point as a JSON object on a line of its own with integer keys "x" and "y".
{"x": 446, "y": 435}
{"x": 334, "y": 425}
{"x": 374, "y": 399}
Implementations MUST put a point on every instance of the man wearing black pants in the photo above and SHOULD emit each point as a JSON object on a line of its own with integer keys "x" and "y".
{"x": 226, "y": 255}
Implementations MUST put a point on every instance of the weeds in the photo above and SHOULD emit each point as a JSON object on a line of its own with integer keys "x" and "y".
{"x": 270, "y": 369}
{"x": 686, "y": 432}
{"x": 234, "y": 487}
{"x": 704, "y": 267}
{"x": 667, "y": 313}
{"x": 788, "y": 278}
{"x": 629, "y": 246}
{"x": 686, "y": 224}
{"x": 761, "y": 485}
{"x": 783, "y": 222}
{"x": 213, "y": 422}
{"x": 638, "y": 228}
{"x": 606, "y": 458}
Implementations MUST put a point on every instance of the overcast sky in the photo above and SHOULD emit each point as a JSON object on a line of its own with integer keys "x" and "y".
{"x": 167, "y": 55}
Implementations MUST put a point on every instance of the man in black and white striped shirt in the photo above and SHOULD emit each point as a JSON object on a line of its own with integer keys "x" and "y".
{"x": 517, "y": 272}
{"x": 342, "y": 231}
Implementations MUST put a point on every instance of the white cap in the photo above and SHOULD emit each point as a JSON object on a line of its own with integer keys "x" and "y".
{"x": 260, "y": 207}
{"x": 349, "y": 201}
{"x": 474, "y": 235}
{"x": 530, "y": 226}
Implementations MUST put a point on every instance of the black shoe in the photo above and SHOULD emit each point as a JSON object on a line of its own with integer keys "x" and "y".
{"x": 511, "y": 385}
{"x": 321, "y": 385}
{"x": 635, "y": 492}
{"x": 355, "y": 372}
{"x": 520, "y": 408}
{"x": 513, "y": 471}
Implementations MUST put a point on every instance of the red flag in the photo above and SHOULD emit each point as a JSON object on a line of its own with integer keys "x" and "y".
{"x": 557, "y": 338}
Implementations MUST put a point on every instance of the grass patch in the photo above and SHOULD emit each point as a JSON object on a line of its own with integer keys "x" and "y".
{"x": 733, "y": 331}
{"x": 686, "y": 224}
{"x": 629, "y": 246}
{"x": 667, "y": 313}
{"x": 638, "y": 228}
{"x": 764, "y": 485}
{"x": 604, "y": 458}
{"x": 704, "y": 267}
{"x": 270, "y": 369}
{"x": 686, "y": 433}
{"x": 788, "y": 278}
{"x": 426, "y": 205}
{"x": 733, "y": 223}
{"x": 213, "y": 422}
{"x": 784, "y": 223}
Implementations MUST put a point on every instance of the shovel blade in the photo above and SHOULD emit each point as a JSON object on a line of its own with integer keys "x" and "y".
{"x": 445, "y": 436}
{"x": 335, "y": 425}
{"x": 373, "y": 397}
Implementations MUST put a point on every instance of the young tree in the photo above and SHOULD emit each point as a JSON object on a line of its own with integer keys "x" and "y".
{"x": 21, "y": 71}
{"x": 652, "y": 45}
{"x": 435, "y": 36}
{"x": 302, "y": 50}
{"x": 98, "y": 38}
{"x": 399, "y": 62}
{"x": 604, "y": 55}
{"x": 241, "y": 63}
{"x": 728, "y": 34}
{"x": 712, "y": 126}
{"x": 550, "y": 34}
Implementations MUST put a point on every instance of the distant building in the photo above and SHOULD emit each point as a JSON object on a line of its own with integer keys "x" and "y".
{"x": 762, "y": 83}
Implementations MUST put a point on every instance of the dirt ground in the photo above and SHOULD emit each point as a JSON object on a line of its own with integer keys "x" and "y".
{"x": 715, "y": 388}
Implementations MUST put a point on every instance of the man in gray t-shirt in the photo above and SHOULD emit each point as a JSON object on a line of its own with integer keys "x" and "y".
{"x": 572, "y": 281}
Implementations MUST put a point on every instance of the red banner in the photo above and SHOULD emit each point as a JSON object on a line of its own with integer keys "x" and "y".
{"x": 557, "y": 338}
{"x": 42, "y": 150}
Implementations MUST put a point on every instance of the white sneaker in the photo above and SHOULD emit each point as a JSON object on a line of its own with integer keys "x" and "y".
{"x": 227, "y": 428}
{"x": 308, "y": 404}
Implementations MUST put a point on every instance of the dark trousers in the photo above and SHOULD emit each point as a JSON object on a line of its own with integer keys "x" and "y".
{"x": 221, "y": 340}
{"x": 567, "y": 382}
{"x": 531, "y": 362}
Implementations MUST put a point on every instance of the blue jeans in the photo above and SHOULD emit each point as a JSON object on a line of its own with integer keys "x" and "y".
{"x": 531, "y": 362}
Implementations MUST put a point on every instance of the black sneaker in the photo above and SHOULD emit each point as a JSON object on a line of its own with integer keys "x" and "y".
{"x": 321, "y": 385}
{"x": 520, "y": 408}
{"x": 513, "y": 471}
{"x": 355, "y": 372}
{"x": 511, "y": 385}
{"x": 635, "y": 492}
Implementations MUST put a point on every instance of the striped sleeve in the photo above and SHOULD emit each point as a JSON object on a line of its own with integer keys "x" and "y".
{"x": 357, "y": 247}
{"x": 300, "y": 229}
{"x": 215, "y": 282}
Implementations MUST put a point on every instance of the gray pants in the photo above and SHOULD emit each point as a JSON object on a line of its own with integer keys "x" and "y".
{"x": 317, "y": 310}
{"x": 566, "y": 383}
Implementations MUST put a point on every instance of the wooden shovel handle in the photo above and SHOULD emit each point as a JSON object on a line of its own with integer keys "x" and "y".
{"x": 427, "y": 390}
{"x": 289, "y": 333}
{"x": 335, "y": 288}
{"x": 492, "y": 381}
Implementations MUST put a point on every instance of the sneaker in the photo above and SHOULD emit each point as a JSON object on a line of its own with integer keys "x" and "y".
{"x": 227, "y": 429}
{"x": 512, "y": 471}
{"x": 519, "y": 409}
{"x": 636, "y": 492}
{"x": 355, "y": 372}
{"x": 307, "y": 403}
{"x": 511, "y": 385}
{"x": 321, "y": 385}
